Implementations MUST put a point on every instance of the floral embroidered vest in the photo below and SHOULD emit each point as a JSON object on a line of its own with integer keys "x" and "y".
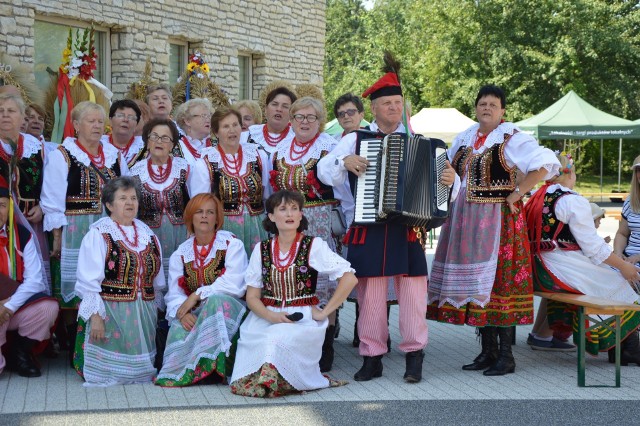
{"x": 172, "y": 200}
{"x": 84, "y": 185}
{"x": 490, "y": 179}
{"x": 294, "y": 178}
{"x": 554, "y": 232}
{"x": 229, "y": 188}
{"x": 29, "y": 184}
{"x": 193, "y": 279}
{"x": 122, "y": 271}
{"x": 294, "y": 287}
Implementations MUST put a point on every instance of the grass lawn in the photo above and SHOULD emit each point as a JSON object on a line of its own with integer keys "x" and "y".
{"x": 609, "y": 184}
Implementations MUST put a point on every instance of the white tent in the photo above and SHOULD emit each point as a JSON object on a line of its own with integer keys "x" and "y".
{"x": 440, "y": 123}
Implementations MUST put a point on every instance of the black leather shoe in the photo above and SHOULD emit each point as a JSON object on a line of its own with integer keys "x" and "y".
{"x": 489, "y": 354}
{"x": 326, "y": 360}
{"x": 505, "y": 364}
{"x": 630, "y": 351}
{"x": 371, "y": 367}
{"x": 24, "y": 362}
{"x": 413, "y": 372}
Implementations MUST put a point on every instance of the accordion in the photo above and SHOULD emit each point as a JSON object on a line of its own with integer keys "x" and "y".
{"x": 402, "y": 181}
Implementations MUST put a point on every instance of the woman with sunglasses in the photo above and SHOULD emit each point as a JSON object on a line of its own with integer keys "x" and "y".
{"x": 194, "y": 118}
{"x": 349, "y": 111}
{"x": 295, "y": 169}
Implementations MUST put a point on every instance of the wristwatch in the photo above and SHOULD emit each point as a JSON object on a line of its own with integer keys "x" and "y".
{"x": 517, "y": 191}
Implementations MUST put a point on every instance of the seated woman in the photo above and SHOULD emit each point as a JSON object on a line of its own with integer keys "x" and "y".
{"x": 281, "y": 340}
{"x": 120, "y": 277}
{"x": 570, "y": 257}
{"x": 24, "y": 305}
{"x": 626, "y": 243}
{"x": 206, "y": 279}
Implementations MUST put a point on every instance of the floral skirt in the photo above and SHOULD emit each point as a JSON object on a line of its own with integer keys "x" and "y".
{"x": 190, "y": 356}
{"x": 319, "y": 218}
{"x": 511, "y": 298}
{"x": 127, "y": 353}
{"x": 269, "y": 383}
{"x": 170, "y": 237}
{"x": 72, "y": 235}
{"x": 247, "y": 229}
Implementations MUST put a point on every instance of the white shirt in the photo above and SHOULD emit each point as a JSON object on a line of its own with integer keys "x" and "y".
{"x": 32, "y": 275}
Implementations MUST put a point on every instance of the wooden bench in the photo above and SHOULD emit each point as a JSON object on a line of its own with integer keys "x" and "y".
{"x": 588, "y": 306}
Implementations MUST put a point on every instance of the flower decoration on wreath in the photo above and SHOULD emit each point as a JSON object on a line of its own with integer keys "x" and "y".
{"x": 195, "y": 82}
{"x": 75, "y": 83}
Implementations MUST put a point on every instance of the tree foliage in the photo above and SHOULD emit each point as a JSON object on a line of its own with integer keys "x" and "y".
{"x": 537, "y": 50}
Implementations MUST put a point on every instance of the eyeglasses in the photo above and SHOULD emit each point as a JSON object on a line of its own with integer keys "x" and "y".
{"x": 349, "y": 112}
{"x": 205, "y": 117}
{"x": 154, "y": 137}
{"x": 122, "y": 116}
{"x": 309, "y": 117}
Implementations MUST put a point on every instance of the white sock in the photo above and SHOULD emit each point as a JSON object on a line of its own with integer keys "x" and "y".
{"x": 546, "y": 339}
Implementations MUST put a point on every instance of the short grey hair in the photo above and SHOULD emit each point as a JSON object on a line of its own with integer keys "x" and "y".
{"x": 109, "y": 190}
{"x": 8, "y": 96}
{"x": 317, "y": 105}
{"x": 80, "y": 110}
{"x": 184, "y": 110}
{"x": 156, "y": 87}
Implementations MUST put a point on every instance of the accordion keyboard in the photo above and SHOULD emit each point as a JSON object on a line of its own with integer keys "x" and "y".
{"x": 367, "y": 189}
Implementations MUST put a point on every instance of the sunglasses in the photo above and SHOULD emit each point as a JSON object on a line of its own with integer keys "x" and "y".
{"x": 349, "y": 112}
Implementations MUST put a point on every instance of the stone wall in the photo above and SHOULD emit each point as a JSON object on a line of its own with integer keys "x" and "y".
{"x": 286, "y": 37}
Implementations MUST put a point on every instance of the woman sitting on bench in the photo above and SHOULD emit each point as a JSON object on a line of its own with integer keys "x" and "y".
{"x": 570, "y": 257}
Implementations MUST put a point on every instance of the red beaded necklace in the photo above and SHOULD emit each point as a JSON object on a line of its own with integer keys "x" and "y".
{"x": 305, "y": 147}
{"x": 275, "y": 141}
{"x": 234, "y": 165}
{"x": 133, "y": 243}
{"x": 199, "y": 256}
{"x": 191, "y": 148}
{"x": 19, "y": 150}
{"x": 97, "y": 160}
{"x": 283, "y": 263}
{"x": 124, "y": 149}
{"x": 163, "y": 173}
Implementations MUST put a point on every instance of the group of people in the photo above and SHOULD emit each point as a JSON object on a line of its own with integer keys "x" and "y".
{"x": 226, "y": 227}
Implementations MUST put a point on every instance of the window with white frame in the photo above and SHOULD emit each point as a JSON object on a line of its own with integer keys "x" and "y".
{"x": 50, "y": 40}
{"x": 178, "y": 58}
{"x": 245, "y": 76}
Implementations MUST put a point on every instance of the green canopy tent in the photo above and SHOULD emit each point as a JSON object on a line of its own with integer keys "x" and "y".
{"x": 333, "y": 127}
{"x": 572, "y": 117}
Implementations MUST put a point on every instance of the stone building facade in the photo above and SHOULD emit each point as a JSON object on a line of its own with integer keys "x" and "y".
{"x": 278, "y": 39}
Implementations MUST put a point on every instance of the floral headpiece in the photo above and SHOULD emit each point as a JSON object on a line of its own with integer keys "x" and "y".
{"x": 79, "y": 59}
{"x": 569, "y": 165}
{"x": 197, "y": 66}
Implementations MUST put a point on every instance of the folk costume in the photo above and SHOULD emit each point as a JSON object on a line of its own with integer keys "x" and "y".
{"x": 241, "y": 182}
{"x": 165, "y": 192}
{"x": 259, "y": 134}
{"x": 34, "y": 312}
{"x": 295, "y": 168}
{"x": 567, "y": 256}
{"x": 277, "y": 359}
{"x": 191, "y": 148}
{"x": 487, "y": 281}
{"x": 380, "y": 252}
{"x": 71, "y": 199}
{"x": 28, "y": 185}
{"x": 133, "y": 152}
{"x": 218, "y": 278}
{"x": 120, "y": 278}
